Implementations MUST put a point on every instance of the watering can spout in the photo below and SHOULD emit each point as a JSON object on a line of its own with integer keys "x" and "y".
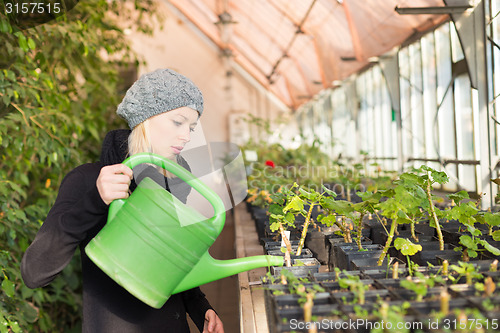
{"x": 209, "y": 269}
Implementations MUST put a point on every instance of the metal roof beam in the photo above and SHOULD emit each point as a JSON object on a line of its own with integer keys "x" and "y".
{"x": 431, "y": 10}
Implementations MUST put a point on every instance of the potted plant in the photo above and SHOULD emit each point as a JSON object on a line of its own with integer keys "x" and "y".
{"x": 412, "y": 192}
{"x": 287, "y": 204}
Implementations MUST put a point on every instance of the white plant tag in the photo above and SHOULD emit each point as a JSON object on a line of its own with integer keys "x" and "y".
{"x": 287, "y": 233}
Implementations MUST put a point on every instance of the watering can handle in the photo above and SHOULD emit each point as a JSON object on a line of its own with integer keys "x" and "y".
{"x": 177, "y": 170}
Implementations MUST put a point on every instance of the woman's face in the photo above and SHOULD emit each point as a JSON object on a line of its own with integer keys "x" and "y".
{"x": 170, "y": 131}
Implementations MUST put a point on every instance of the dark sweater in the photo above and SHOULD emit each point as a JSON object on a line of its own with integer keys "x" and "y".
{"x": 76, "y": 217}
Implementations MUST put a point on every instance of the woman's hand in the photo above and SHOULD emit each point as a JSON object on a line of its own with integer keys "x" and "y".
{"x": 113, "y": 182}
{"x": 213, "y": 324}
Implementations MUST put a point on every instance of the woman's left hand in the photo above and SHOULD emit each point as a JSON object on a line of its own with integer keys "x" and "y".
{"x": 213, "y": 324}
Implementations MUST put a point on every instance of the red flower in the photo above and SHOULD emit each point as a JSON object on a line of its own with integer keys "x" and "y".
{"x": 270, "y": 163}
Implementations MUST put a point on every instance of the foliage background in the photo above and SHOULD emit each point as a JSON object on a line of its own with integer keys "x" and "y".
{"x": 58, "y": 96}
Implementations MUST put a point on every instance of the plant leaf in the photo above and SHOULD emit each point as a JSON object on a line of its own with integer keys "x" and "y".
{"x": 459, "y": 196}
{"x": 406, "y": 246}
{"x": 296, "y": 204}
{"x": 490, "y": 247}
{"x": 467, "y": 241}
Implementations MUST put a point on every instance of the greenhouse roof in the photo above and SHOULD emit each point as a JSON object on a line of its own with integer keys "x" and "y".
{"x": 296, "y": 48}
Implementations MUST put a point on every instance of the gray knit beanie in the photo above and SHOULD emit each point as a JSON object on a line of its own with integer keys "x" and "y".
{"x": 157, "y": 92}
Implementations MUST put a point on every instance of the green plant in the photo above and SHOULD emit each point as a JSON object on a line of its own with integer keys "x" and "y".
{"x": 289, "y": 203}
{"x": 353, "y": 212}
{"x": 408, "y": 200}
{"x": 468, "y": 215}
{"x": 306, "y": 299}
{"x": 58, "y": 97}
{"x": 467, "y": 270}
{"x": 355, "y": 285}
{"x": 331, "y": 208}
{"x": 419, "y": 284}
{"x": 407, "y": 248}
{"x": 392, "y": 316}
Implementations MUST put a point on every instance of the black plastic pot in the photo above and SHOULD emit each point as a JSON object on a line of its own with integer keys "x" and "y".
{"x": 335, "y": 286}
{"x": 292, "y": 300}
{"x": 311, "y": 265}
{"x": 292, "y": 320}
{"x": 317, "y": 242}
{"x": 305, "y": 253}
{"x": 425, "y": 229}
{"x": 345, "y": 253}
{"x": 383, "y": 272}
{"x": 423, "y": 309}
{"x": 371, "y": 263}
{"x": 409, "y": 295}
{"x": 428, "y": 254}
{"x": 339, "y": 241}
{"x": 494, "y": 275}
{"x": 450, "y": 255}
{"x": 258, "y": 212}
{"x": 331, "y": 276}
{"x": 371, "y": 296}
{"x": 276, "y": 245}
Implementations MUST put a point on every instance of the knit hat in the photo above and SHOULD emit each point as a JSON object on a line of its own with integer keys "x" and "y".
{"x": 157, "y": 92}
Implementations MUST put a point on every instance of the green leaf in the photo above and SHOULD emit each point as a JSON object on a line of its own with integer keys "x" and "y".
{"x": 328, "y": 220}
{"x": 30, "y": 312}
{"x": 31, "y": 44}
{"x": 468, "y": 242}
{"x": 406, "y": 246}
{"x": 492, "y": 219}
{"x": 459, "y": 196}
{"x": 8, "y": 287}
{"x": 471, "y": 253}
{"x": 296, "y": 204}
{"x": 496, "y": 235}
{"x": 330, "y": 192}
{"x": 23, "y": 44}
{"x": 308, "y": 195}
{"x": 490, "y": 247}
{"x": 4, "y": 25}
{"x": 440, "y": 177}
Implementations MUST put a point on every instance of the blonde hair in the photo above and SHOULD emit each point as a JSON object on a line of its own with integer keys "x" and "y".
{"x": 139, "y": 142}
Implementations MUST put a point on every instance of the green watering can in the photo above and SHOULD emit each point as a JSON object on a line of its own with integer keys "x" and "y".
{"x": 154, "y": 246}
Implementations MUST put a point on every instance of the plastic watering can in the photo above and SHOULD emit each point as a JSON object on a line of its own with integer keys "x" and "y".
{"x": 155, "y": 246}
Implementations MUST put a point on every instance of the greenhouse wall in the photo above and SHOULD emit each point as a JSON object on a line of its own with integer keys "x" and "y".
{"x": 440, "y": 109}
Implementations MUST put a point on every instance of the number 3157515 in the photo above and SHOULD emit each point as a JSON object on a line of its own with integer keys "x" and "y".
{"x": 33, "y": 8}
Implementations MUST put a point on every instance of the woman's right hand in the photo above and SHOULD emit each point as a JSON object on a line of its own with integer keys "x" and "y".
{"x": 113, "y": 182}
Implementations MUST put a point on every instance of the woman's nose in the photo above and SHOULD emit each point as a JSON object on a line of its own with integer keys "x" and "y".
{"x": 185, "y": 135}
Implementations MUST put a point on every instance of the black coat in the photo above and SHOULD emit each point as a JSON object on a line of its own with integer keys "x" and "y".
{"x": 76, "y": 217}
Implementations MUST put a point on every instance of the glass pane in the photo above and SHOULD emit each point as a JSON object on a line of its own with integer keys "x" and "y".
{"x": 429, "y": 83}
{"x": 456, "y": 48}
{"x": 494, "y": 33}
{"x": 405, "y": 94}
{"x": 369, "y": 102}
{"x": 362, "y": 113}
{"x": 417, "y": 132}
{"x": 446, "y": 117}
{"x": 377, "y": 114}
{"x": 465, "y": 131}
{"x": 464, "y": 118}
{"x": 344, "y": 131}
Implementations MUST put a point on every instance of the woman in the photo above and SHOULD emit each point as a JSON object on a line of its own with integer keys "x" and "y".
{"x": 161, "y": 108}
